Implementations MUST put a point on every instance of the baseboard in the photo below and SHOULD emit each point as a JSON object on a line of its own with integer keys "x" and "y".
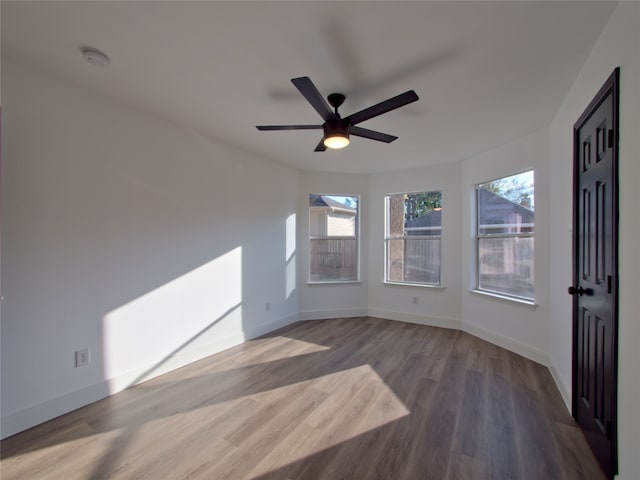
{"x": 443, "y": 322}
{"x": 562, "y": 384}
{"x": 510, "y": 344}
{"x": 42, "y": 412}
{"x": 322, "y": 314}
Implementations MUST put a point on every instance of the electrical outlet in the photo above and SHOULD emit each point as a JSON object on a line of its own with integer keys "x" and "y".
{"x": 82, "y": 357}
{"x": 267, "y": 307}
{"x": 415, "y": 300}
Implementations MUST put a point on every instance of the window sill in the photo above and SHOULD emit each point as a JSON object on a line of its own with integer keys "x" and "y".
{"x": 335, "y": 282}
{"x": 531, "y": 304}
{"x": 419, "y": 285}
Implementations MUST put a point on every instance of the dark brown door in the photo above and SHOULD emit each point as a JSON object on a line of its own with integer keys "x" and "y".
{"x": 595, "y": 273}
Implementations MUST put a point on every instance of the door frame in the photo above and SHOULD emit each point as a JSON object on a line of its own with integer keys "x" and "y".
{"x": 611, "y": 86}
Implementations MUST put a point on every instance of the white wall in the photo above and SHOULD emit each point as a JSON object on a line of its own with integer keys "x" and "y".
{"x": 618, "y": 45}
{"x": 331, "y": 300}
{"x": 136, "y": 238}
{"x": 436, "y": 306}
{"x": 518, "y": 327}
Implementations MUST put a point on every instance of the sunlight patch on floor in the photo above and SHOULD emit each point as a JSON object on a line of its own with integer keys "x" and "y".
{"x": 364, "y": 403}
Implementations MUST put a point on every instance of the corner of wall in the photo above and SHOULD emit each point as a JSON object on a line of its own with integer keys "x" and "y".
{"x": 563, "y": 386}
{"x": 513, "y": 345}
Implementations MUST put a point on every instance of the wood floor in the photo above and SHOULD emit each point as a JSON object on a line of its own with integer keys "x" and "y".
{"x": 358, "y": 398}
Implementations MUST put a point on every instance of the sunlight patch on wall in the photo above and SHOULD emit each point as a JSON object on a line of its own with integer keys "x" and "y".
{"x": 290, "y": 255}
{"x": 192, "y": 311}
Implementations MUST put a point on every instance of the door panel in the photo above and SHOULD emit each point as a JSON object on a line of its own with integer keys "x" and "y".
{"x": 595, "y": 274}
{"x": 601, "y": 230}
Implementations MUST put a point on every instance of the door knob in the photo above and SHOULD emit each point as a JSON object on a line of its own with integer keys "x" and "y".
{"x": 579, "y": 291}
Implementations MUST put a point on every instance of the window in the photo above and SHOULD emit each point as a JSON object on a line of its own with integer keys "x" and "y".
{"x": 333, "y": 238}
{"x": 412, "y": 238}
{"x": 504, "y": 236}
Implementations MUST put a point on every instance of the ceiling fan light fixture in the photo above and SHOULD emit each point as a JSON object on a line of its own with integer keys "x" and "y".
{"x": 336, "y": 134}
{"x": 336, "y": 140}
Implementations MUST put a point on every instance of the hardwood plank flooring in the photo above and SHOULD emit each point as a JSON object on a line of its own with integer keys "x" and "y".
{"x": 354, "y": 398}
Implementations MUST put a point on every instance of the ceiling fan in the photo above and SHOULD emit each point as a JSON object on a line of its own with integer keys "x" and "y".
{"x": 337, "y": 129}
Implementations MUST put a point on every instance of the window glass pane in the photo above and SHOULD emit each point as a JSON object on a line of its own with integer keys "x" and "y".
{"x": 333, "y": 215}
{"x": 415, "y": 260}
{"x": 422, "y": 260}
{"x": 505, "y": 265}
{"x": 422, "y": 213}
{"x": 395, "y": 260}
{"x": 414, "y": 226}
{"x": 333, "y": 259}
{"x": 333, "y": 242}
{"x": 506, "y": 205}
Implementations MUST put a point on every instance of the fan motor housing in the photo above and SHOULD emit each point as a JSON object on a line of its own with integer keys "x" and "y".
{"x": 337, "y": 127}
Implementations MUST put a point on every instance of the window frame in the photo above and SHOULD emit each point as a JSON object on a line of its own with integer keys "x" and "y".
{"x": 388, "y": 238}
{"x": 356, "y": 237}
{"x": 479, "y": 236}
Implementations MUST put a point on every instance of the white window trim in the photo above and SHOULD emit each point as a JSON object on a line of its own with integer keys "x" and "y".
{"x": 413, "y": 284}
{"x": 531, "y": 304}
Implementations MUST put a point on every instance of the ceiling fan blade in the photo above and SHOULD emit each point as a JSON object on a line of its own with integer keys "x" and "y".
{"x": 433, "y": 60}
{"x": 321, "y": 147}
{"x": 383, "y": 107}
{"x": 289, "y": 127}
{"x": 372, "y": 134}
{"x": 313, "y": 96}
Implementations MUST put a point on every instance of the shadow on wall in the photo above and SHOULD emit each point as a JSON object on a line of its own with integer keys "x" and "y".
{"x": 195, "y": 313}
{"x": 208, "y": 309}
{"x": 214, "y": 306}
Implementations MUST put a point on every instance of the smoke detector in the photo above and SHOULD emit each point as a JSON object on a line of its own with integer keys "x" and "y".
{"x": 95, "y": 56}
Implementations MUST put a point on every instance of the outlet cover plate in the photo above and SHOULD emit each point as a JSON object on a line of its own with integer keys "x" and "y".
{"x": 82, "y": 357}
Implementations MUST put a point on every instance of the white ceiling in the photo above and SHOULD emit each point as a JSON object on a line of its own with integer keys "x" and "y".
{"x": 486, "y": 72}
